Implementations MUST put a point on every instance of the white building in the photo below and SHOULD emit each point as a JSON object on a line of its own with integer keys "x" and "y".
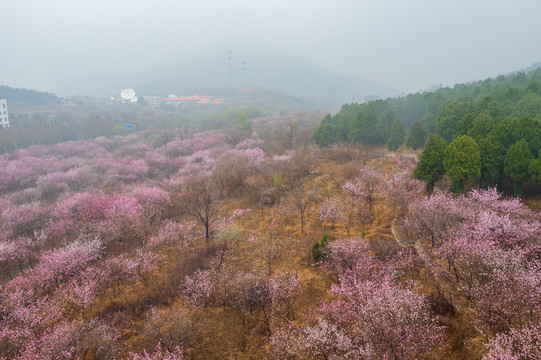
{"x": 4, "y": 116}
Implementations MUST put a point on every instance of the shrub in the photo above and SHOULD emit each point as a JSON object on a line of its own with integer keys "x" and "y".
{"x": 318, "y": 250}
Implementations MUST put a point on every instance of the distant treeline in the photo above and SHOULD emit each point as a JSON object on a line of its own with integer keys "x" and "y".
{"x": 87, "y": 121}
{"x": 496, "y": 113}
{"x": 31, "y": 97}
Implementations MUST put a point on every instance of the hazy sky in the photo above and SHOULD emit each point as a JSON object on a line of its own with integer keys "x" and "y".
{"x": 410, "y": 45}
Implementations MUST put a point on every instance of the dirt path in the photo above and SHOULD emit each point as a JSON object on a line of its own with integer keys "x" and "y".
{"x": 417, "y": 245}
{"x": 413, "y": 156}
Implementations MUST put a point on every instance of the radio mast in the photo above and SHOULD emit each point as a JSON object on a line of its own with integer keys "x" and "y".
{"x": 229, "y": 57}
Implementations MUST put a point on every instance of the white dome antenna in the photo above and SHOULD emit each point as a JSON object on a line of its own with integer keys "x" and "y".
{"x": 127, "y": 94}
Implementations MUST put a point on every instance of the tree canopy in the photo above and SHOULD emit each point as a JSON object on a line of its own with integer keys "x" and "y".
{"x": 516, "y": 163}
{"x": 416, "y": 136}
{"x": 397, "y": 136}
{"x": 32, "y": 97}
{"x": 430, "y": 167}
{"x": 494, "y": 113}
{"x": 462, "y": 162}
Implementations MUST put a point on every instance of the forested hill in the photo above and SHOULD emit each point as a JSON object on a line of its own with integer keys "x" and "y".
{"x": 30, "y": 97}
{"x": 497, "y": 113}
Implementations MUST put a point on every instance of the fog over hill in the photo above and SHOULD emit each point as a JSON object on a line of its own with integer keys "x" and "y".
{"x": 533, "y": 67}
{"x": 265, "y": 67}
{"x": 93, "y": 45}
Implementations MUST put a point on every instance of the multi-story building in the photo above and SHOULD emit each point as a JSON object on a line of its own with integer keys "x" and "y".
{"x": 153, "y": 101}
{"x": 4, "y": 116}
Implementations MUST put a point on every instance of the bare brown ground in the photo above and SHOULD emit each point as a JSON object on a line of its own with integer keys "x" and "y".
{"x": 462, "y": 341}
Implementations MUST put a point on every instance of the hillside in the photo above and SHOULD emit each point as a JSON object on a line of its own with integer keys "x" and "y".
{"x": 270, "y": 180}
{"x": 27, "y": 97}
{"x": 267, "y": 67}
{"x": 501, "y": 117}
{"x": 250, "y": 243}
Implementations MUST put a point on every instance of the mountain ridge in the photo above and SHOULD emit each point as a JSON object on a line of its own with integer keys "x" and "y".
{"x": 266, "y": 67}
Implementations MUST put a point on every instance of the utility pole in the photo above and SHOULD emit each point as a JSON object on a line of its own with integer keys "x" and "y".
{"x": 229, "y": 57}
{"x": 243, "y": 63}
{"x": 243, "y": 73}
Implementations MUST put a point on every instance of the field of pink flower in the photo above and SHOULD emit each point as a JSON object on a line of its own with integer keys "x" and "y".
{"x": 202, "y": 246}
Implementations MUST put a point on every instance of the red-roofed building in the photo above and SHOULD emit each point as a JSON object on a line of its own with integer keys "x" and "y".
{"x": 198, "y": 99}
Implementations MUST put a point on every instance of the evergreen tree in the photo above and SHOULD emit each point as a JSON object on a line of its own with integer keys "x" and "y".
{"x": 534, "y": 169}
{"x": 397, "y": 136}
{"x": 481, "y": 126}
{"x": 462, "y": 162}
{"x": 492, "y": 154}
{"x": 385, "y": 124}
{"x": 528, "y": 129}
{"x": 496, "y": 113}
{"x": 363, "y": 128}
{"x": 516, "y": 163}
{"x": 449, "y": 118}
{"x": 416, "y": 136}
{"x": 465, "y": 124}
{"x": 503, "y": 133}
{"x": 323, "y": 135}
{"x": 341, "y": 130}
{"x": 430, "y": 167}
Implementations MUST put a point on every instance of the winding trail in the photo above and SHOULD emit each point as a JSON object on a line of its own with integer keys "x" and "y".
{"x": 417, "y": 245}
{"x": 413, "y": 156}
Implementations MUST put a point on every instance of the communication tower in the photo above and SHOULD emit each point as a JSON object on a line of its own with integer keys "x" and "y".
{"x": 229, "y": 57}
{"x": 4, "y": 115}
